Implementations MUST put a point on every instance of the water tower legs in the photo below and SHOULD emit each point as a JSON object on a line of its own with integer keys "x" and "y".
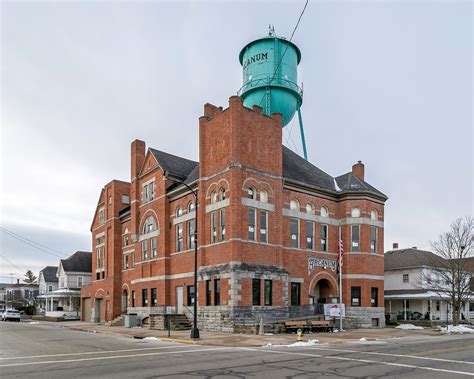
{"x": 303, "y": 141}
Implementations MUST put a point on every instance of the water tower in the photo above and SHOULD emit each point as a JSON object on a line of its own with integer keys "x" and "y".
{"x": 270, "y": 78}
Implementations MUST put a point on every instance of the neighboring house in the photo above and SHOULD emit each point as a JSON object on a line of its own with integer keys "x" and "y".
{"x": 408, "y": 293}
{"x": 20, "y": 294}
{"x": 72, "y": 273}
{"x": 48, "y": 282}
{"x": 3, "y": 296}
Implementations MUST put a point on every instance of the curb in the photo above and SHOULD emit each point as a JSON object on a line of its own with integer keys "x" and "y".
{"x": 178, "y": 340}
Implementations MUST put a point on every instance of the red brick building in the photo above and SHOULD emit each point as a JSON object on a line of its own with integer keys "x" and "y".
{"x": 268, "y": 226}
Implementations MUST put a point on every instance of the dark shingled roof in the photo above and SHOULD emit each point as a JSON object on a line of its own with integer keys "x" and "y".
{"x": 80, "y": 261}
{"x": 351, "y": 183}
{"x": 410, "y": 258}
{"x": 178, "y": 166}
{"x": 49, "y": 274}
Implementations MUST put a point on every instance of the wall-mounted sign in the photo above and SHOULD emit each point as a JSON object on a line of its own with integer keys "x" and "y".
{"x": 320, "y": 262}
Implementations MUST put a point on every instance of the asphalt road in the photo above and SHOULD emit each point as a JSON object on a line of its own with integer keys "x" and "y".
{"x": 44, "y": 351}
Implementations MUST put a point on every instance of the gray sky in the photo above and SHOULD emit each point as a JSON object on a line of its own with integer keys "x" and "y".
{"x": 388, "y": 83}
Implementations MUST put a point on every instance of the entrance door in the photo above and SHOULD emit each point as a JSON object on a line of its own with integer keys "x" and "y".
{"x": 179, "y": 299}
{"x": 86, "y": 309}
{"x": 98, "y": 305}
{"x": 124, "y": 302}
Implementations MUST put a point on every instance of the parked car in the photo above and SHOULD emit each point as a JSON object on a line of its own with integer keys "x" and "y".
{"x": 11, "y": 315}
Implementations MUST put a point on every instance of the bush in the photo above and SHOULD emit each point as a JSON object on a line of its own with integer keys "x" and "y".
{"x": 30, "y": 310}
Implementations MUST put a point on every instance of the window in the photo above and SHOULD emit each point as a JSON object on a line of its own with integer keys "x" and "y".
{"x": 355, "y": 212}
{"x": 355, "y": 237}
{"x": 213, "y": 227}
{"x": 263, "y": 226}
{"x": 213, "y": 197}
{"x": 263, "y": 197}
{"x": 190, "y": 295}
{"x": 251, "y": 222}
{"x": 101, "y": 216}
{"x": 97, "y": 257}
{"x": 190, "y": 240}
{"x": 471, "y": 306}
{"x": 222, "y": 224}
{"x": 154, "y": 297}
{"x": 405, "y": 278}
{"x": 179, "y": 211}
{"x": 153, "y": 248}
{"x": 295, "y": 294}
{"x": 323, "y": 231}
{"x": 217, "y": 291}
{"x": 149, "y": 225}
{"x": 324, "y": 212}
{"x": 148, "y": 192}
{"x": 373, "y": 239}
{"x": 310, "y": 209}
{"x": 144, "y": 297}
{"x": 133, "y": 259}
{"x": 125, "y": 262}
{"x": 125, "y": 199}
{"x": 144, "y": 250}
{"x": 125, "y": 238}
{"x": 110, "y": 200}
{"x": 190, "y": 207}
{"x": 50, "y": 288}
{"x": 133, "y": 298}
{"x": 407, "y": 304}
{"x": 268, "y": 292}
{"x": 79, "y": 281}
{"x": 294, "y": 205}
{"x": 374, "y": 297}
{"x": 374, "y": 215}
{"x": 251, "y": 193}
{"x": 310, "y": 235}
{"x": 256, "y": 292}
{"x": 294, "y": 232}
{"x": 221, "y": 194}
{"x": 208, "y": 292}
{"x": 355, "y": 296}
{"x": 179, "y": 237}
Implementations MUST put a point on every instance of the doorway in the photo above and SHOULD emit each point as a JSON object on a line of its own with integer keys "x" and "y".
{"x": 179, "y": 299}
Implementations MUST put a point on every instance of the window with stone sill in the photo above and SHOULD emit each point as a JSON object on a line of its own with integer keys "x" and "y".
{"x": 263, "y": 197}
{"x": 148, "y": 192}
{"x": 149, "y": 225}
{"x": 252, "y": 193}
{"x": 324, "y": 212}
{"x": 310, "y": 209}
{"x": 179, "y": 211}
{"x": 101, "y": 216}
{"x": 374, "y": 215}
{"x": 221, "y": 194}
{"x": 355, "y": 212}
{"x": 294, "y": 205}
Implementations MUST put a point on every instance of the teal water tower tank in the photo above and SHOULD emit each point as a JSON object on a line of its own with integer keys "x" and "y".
{"x": 270, "y": 76}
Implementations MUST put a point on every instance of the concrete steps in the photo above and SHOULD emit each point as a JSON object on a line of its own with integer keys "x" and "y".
{"x": 118, "y": 321}
{"x": 178, "y": 322}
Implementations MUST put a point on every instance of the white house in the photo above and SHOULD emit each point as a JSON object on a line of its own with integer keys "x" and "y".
{"x": 72, "y": 273}
{"x": 48, "y": 282}
{"x": 409, "y": 294}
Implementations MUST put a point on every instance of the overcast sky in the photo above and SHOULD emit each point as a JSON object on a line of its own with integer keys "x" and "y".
{"x": 388, "y": 83}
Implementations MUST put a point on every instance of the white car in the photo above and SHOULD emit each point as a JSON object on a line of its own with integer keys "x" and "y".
{"x": 11, "y": 315}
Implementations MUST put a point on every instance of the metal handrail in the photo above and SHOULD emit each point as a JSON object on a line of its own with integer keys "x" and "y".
{"x": 276, "y": 82}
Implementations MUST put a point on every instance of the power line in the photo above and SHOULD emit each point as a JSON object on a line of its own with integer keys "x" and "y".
{"x": 286, "y": 48}
{"x": 11, "y": 263}
{"x": 32, "y": 243}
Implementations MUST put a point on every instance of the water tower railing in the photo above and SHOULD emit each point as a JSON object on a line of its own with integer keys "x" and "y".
{"x": 276, "y": 82}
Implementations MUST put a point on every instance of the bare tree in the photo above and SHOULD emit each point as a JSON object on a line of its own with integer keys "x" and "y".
{"x": 450, "y": 278}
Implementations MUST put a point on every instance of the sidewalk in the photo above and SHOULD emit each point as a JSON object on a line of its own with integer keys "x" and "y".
{"x": 246, "y": 340}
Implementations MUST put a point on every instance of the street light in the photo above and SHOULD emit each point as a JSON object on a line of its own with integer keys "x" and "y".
{"x": 194, "y": 329}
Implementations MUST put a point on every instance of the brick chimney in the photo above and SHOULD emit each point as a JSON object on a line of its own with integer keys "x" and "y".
{"x": 18, "y": 281}
{"x": 358, "y": 170}
{"x": 138, "y": 156}
{"x": 395, "y": 245}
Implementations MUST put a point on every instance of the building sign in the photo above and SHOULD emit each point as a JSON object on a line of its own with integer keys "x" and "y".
{"x": 334, "y": 310}
{"x": 256, "y": 58}
{"x": 320, "y": 262}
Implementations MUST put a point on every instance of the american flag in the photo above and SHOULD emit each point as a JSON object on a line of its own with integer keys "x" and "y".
{"x": 339, "y": 257}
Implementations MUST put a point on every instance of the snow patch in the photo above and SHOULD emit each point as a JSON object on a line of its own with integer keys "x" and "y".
{"x": 151, "y": 339}
{"x": 458, "y": 329}
{"x": 296, "y": 344}
{"x": 363, "y": 339}
{"x": 336, "y": 186}
{"x": 409, "y": 327}
{"x": 268, "y": 334}
{"x": 33, "y": 323}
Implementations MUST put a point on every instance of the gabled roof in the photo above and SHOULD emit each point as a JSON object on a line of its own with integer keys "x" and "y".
{"x": 175, "y": 165}
{"x": 411, "y": 258}
{"x": 351, "y": 183}
{"x": 80, "y": 261}
{"x": 298, "y": 169}
{"x": 49, "y": 274}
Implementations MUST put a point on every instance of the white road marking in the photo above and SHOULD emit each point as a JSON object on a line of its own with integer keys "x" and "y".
{"x": 393, "y": 355}
{"x": 365, "y": 361}
{"x": 92, "y": 352}
{"x": 113, "y": 357}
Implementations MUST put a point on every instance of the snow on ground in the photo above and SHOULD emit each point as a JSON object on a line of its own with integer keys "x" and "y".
{"x": 363, "y": 339}
{"x": 409, "y": 327}
{"x": 296, "y": 344}
{"x": 458, "y": 329}
{"x": 151, "y": 339}
{"x": 33, "y": 323}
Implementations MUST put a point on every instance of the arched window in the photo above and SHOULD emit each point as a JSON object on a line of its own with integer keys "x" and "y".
{"x": 355, "y": 212}
{"x": 310, "y": 208}
{"x": 263, "y": 197}
{"x": 190, "y": 206}
{"x": 374, "y": 215}
{"x": 221, "y": 194}
{"x": 149, "y": 225}
{"x": 179, "y": 211}
{"x": 252, "y": 193}
{"x": 213, "y": 197}
{"x": 295, "y": 205}
{"x": 324, "y": 212}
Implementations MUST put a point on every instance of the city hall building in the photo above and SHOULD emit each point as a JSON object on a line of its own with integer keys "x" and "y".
{"x": 268, "y": 226}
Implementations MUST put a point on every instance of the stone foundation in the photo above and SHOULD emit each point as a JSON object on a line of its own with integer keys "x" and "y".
{"x": 364, "y": 317}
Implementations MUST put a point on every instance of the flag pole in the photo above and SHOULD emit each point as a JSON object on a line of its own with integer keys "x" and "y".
{"x": 340, "y": 279}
